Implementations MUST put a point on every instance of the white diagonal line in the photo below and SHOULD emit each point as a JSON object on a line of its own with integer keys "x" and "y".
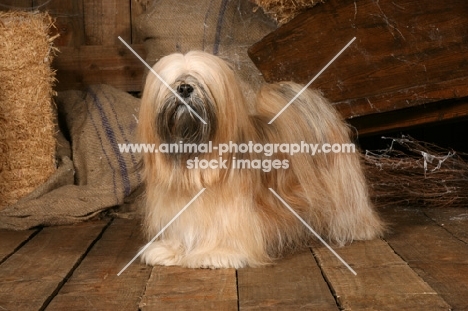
{"x": 161, "y": 79}
{"x": 313, "y": 79}
{"x": 160, "y": 232}
{"x": 312, "y": 230}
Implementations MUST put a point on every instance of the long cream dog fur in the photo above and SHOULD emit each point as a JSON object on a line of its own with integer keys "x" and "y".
{"x": 237, "y": 221}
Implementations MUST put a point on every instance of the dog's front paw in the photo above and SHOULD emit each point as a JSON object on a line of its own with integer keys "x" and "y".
{"x": 162, "y": 253}
{"x": 215, "y": 260}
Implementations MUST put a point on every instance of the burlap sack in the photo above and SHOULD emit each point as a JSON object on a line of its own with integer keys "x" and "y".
{"x": 93, "y": 175}
{"x": 226, "y": 28}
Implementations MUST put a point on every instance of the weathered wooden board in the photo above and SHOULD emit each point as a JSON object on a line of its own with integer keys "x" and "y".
{"x": 422, "y": 266}
{"x": 407, "y": 53}
{"x": 68, "y": 17}
{"x": 430, "y": 242}
{"x": 293, "y": 283}
{"x": 176, "y": 288}
{"x": 91, "y": 52}
{"x": 31, "y": 275}
{"x": 383, "y": 281}
{"x": 104, "y": 21}
{"x": 12, "y": 240}
{"x": 69, "y": 20}
{"x": 448, "y": 279}
{"x": 21, "y": 5}
{"x": 138, "y": 7}
{"x": 402, "y": 119}
{"x": 438, "y": 256}
{"x": 95, "y": 284}
{"x": 80, "y": 67}
{"x": 454, "y": 220}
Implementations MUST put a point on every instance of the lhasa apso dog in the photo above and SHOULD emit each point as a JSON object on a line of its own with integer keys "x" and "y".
{"x": 237, "y": 221}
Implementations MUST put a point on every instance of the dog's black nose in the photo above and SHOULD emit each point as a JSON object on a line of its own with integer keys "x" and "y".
{"x": 185, "y": 90}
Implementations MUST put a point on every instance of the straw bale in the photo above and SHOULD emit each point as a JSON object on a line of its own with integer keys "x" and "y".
{"x": 27, "y": 113}
{"x": 282, "y": 11}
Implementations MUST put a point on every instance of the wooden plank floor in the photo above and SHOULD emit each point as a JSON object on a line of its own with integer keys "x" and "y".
{"x": 421, "y": 265}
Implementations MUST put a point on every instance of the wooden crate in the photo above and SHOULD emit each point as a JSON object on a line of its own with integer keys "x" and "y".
{"x": 407, "y": 66}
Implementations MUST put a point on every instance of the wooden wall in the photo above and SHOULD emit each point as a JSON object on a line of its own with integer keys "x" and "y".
{"x": 90, "y": 51}
{"x": 396, "y": 75}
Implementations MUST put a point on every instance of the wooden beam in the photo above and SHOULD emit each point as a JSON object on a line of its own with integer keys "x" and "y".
{"x": 82, "y": 66}
{"x": 402, "y": 119}
{"x": 407, "y": 53}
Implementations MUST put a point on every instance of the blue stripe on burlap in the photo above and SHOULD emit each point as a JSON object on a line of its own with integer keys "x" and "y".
{"x": 110, "y": 135}
{"x": 123, "y": 133}
{"x": 97, "y": 130}
{"x": 219, "y": 26}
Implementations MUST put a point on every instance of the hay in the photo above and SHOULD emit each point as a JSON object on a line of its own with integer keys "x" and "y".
{"x": 27, "y": 130}
{"x": 414, "y": 173}
{"x": 282, "y": 11}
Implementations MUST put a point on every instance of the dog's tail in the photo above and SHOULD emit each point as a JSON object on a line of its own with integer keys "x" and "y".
{"x": 324, "y": 163}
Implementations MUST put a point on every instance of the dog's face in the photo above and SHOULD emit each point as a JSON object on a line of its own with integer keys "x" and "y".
{"x": 200, "y": 84}
{"x": 179, "y": 115}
